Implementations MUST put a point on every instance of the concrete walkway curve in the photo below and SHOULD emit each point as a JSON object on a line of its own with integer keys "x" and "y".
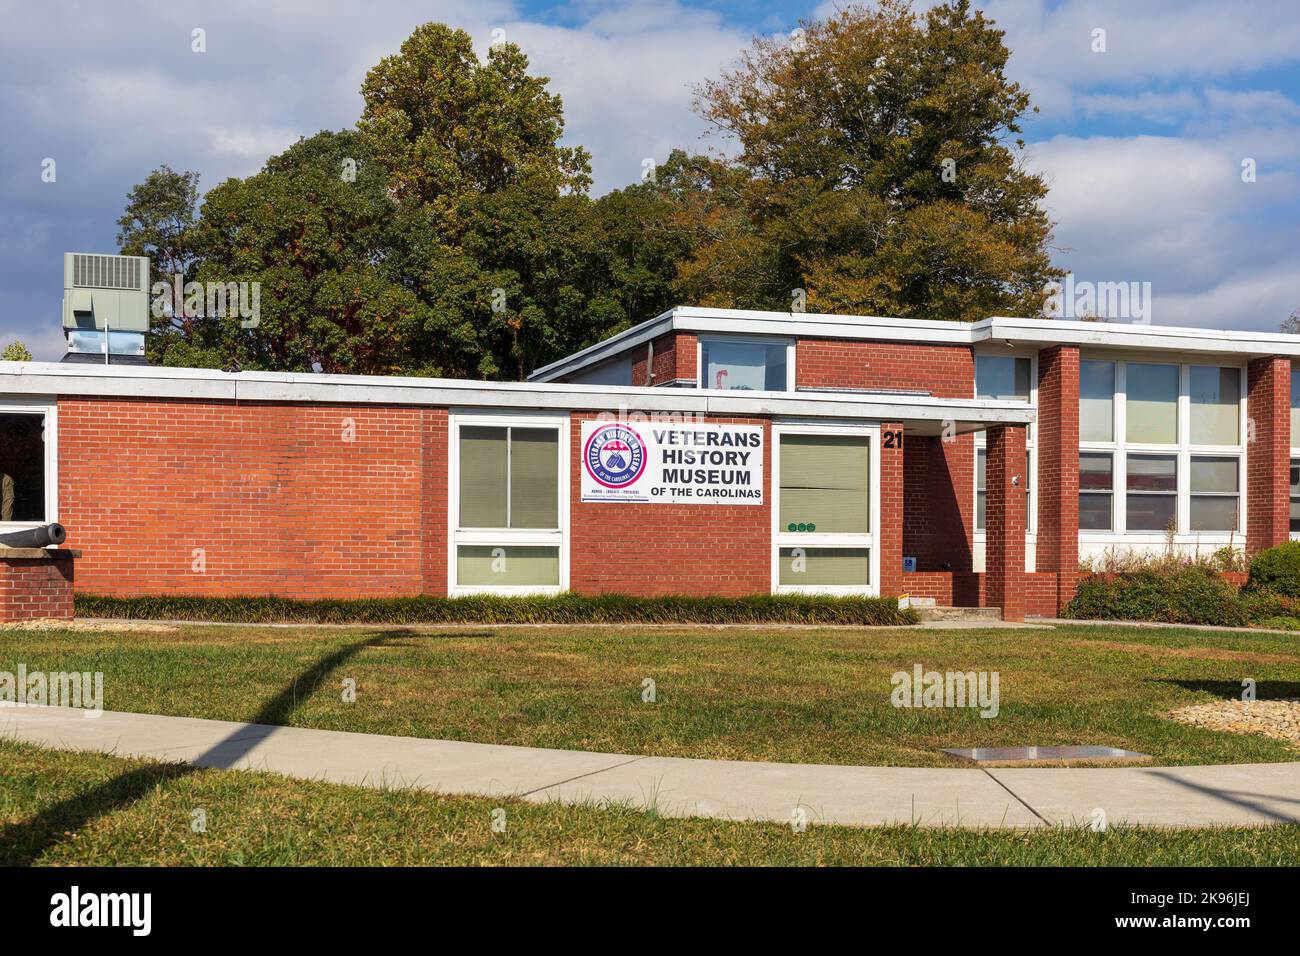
{"x": 1241, "y": 794}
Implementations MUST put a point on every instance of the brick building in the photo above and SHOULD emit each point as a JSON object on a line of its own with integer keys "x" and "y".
{"x": 704, "y": 452}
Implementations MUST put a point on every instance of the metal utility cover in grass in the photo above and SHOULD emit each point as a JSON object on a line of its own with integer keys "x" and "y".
{"x": 1021, "y": 756}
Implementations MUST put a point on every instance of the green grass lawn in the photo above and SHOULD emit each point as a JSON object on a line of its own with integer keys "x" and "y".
{"x": 784, "y": 694}
{"x": 68, "y": 808}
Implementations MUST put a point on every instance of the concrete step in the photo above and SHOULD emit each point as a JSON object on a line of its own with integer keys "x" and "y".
{"x": 938, "y": 613}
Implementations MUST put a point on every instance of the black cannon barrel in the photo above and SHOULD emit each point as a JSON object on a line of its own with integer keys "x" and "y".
{"x": 40, "y": 537}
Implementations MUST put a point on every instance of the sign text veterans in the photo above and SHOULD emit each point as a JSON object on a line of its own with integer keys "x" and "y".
{"x": 694, "y": 464}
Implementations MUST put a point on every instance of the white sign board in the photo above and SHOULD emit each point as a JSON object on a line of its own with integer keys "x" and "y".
{"x": 675, "y": 463}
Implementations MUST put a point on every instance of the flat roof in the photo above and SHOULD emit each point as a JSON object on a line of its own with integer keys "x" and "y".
{"x": 28, "y": 380}
{"x": 1038, "y": 333}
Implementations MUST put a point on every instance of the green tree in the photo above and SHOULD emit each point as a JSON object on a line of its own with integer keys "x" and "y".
{"x": 878, "y": 168}
{"x": 160, "y": 212}
{"x": 313, "y": 236}
{"x": 445, "y": 124}
{"x": 492, "y": 208}
{"x": 16, "y": 351}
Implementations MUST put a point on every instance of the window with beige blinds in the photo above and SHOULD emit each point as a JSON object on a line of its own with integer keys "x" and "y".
{"x": 824, "y": 567}
{"x": 825, "y": 484}
{"x": 482, "y": 565}
{"x": 823, "y": 538}
{"x": 509, "y": 477}
{"x": 507, "y": 532}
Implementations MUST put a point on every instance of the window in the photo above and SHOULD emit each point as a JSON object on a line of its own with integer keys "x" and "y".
{"x": 1002, "y": 377}
{"x": 1161, "y": 447}
{"x": 1096, "y": 491}
{"x": 750, "y": 364}
{"x": 1096, "y": 401}
{"x": 1295, "y": 495}
{"x": 26, "y": 466}
{"x": 825, "y": 567}
{"x": 824, "y": 512}
{"x": 824, "y": 483}
{"x": 1295, "y": 408}
{"x": 1215, "y": 405}
{"x": 507, "y": 519}
{"x": 1152, "y": 404}
{"x": 1295, "y": 447}
{"x": 981, "y": 486}
{"x": 1152, "y": 492}
{"x": 1215, "y": 487}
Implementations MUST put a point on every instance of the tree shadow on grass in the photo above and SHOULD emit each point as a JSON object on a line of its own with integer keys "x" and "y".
{"x": 1231, "y": 690}
{"x": 22, "y": 844}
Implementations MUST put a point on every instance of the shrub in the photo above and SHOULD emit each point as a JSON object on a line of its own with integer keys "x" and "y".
{"x": 490, "y": 609}
{"x": 1170, "y": 561}
{"x": 1192, "y": 595}
{"x": 1276, "y": 570}
{"x": 1279, "y": 623}
{"x": 1266, "y": 604}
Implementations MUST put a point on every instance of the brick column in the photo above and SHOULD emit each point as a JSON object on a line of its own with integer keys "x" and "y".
{"x": 685, "y": 347}
{"x": 1268, "y": 452}
{"x": 889, "y": 536}
{"x": 1058, "y": 468}
{"x": 1004, "y": 522}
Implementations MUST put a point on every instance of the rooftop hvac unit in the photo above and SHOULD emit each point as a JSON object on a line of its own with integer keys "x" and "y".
{"x": 105, "y": 299}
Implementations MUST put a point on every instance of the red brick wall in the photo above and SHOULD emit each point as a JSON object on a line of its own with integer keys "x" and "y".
{"x": 943, "y": 370}
{"x": 674, "y": 358}
{"x": 433, "y": 498}
{"x": 889, "y": 536}
{"x": 937, "y": 512}
{"x": 967, "y": 589}
{"x": 276, "y": 499}
{"x": 939, "y": 501}
{"x": 1058, "y": 468}
{"x": 653, "y": 549}
{"x": 33, "y": 588}
{"x": 1004, "y": 552}
{"x": 1268, "y": 458}
{"x": 686, "y": 346}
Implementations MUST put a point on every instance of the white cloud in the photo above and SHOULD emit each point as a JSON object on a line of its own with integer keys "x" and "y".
{"x": 113, "y": 95}
{"x": 1174, "y": 212}
{"x": 1155, "y": 107}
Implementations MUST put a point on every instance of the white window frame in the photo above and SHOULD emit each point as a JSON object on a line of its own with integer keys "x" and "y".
{"x": 1295, "y": 450}
{"x": 979, "y": 536}
{"x": 19, "y": 405}
{"x": 1183, "y": 450}
{"x": 506, "y": 537}
{"x": 788, "y": 539}
{"x": 750, "y": 339}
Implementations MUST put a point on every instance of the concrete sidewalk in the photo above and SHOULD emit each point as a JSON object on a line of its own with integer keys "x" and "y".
{"x": 1247, "y": 794}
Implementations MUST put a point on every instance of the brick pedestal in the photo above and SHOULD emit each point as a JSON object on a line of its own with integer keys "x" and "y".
{"x": 35, "y": 583}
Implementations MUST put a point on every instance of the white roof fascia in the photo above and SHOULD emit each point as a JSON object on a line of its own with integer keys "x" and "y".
{"x": 122, "y": 381}
{"x": 607, "y": 348}
{"x": 1045, "y": 332}
{"x": 1036, "y": 332}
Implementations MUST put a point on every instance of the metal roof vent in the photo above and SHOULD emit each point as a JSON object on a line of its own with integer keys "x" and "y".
{"x": 105, "y": 304}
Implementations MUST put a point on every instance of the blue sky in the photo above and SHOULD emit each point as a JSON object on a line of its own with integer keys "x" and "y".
{"x": 1142, "y": 144}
